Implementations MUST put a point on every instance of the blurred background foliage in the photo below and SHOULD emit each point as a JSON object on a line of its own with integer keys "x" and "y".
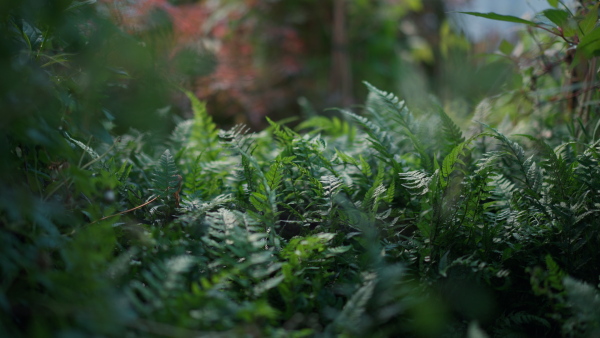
{"x": 249, "y": 59}
{"x": 74, "y": 75}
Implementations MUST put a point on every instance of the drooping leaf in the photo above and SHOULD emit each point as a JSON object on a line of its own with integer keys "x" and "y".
{"x": 500, "y": 17}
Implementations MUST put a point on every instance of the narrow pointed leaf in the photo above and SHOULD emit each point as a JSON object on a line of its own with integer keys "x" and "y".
{"x": 500, "y": 17}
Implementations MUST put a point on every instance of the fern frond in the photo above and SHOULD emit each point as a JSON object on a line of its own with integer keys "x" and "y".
{"x": 417, "y": 180}
{"x": 196, "y": 209}
{"x": 453, "y": 160}
{"x": 584, "y": 300}
{"x": 376, "y": 191}
{"x": 165, "y": 178}
{"x": 356, "y": 305}
{"x": 158, "y": 283}
{"x": 451, "y": 133}
{"x": 387, "y": 106}
{"x": 508, "y": 323}
{"x": 380, "y": 140}
{"x": 331, "y": 185}
{"x": 93, "y": 154}
{"x": 283, "y": 134}
{"x": 421, "y": 149}
{"x": 181, "y": 134}
{"x": 531, "y": 176}
{"x": 237, "y": 138}
{"x": 331, "y": 126}
{"x": 203, "y": 131}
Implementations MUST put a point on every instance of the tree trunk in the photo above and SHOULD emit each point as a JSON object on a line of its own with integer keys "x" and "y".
{"x": 341, "y": 75}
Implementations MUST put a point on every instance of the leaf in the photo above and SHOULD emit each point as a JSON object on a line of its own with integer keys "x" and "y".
{"x": 416, "y": 180}
{"x": 364, "y": 166}
{"x": 331, "y": 184}
{"x": 267, "y": 285}
{"x": 81, "y": 145}
{"x": 589, "y": 22}
{"x": 451, "y": 133}
{"x": 338, "y": 250}
{"x": 31, "y": 35}
{"x": 559, "y": 17}
{"x": 165, "y": 177}
{"x": 583, "y": 298}
{"x": 553, "y": 3}
{"x": 388, "y": 100}
{"x": 475, "y": 331}
{"x": 356, "y": 305}
{"x": 77, "y": 4}
{"x": 590, "y": 44}
{"x": 506, "y": 47}
{"x": 500, "y": 17}
{"x": 451, "y": 161}
{"x": 61, "y": 58}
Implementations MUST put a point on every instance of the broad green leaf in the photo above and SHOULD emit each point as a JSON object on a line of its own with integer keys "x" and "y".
{"x": 571, "y": 29}
{"x": 559, "y": 17}
{"x": 506, "y": 47}
{"x": 590, "y": 44}
{"x": 500, "y": 17}
{"x": 589, "y": 22}
{"x": 28, "y": 33}
{"x": 553, "y": 3}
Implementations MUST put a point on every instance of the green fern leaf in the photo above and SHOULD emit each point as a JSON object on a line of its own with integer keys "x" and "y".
{"x": 165, "y": 178}
{"x": 418, "y": 181}
{"x": 451, "y": 133}
{"x": 356, "y": 305}
{"x": 204, "y": 133}
{"x": 389, "y": 105}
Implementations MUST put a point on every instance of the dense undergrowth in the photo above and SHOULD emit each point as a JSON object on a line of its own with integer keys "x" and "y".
{"x": 378, "y": 225}
{"x": 375, "y": 223}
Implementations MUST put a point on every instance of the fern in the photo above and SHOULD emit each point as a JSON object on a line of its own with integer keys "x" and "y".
{"x": 354, "y": 309}
{"x": 166, "y": 178}
{"x": 378, "y": 219}
{"x": 375, "y": 193}
{"x": 157, "y": 284}
{"x": 513, "y": 324}
{"x": 418, "y": 181}
{"x": 334, "y": 126}
{"x": 380, "y": 140}
{"x": 584, "y": 301}
{"x": 389, "y": 106}
{"x": 203, "y": 136}
{"x": 530, "y": 173}
{"x": 386, "y": 106}
{"x": 452, "y": 136}
{"x": 331, "y": 186}
{"x": 453, "y": 161}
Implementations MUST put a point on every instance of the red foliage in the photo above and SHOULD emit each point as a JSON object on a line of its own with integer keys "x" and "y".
{"x": 240, "y": 89}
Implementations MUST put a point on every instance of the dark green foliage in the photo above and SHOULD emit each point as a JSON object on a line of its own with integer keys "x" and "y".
{"x": 165, "y": 177}
{"x": 386, "y": 224}
{"x": 280, "y": 233}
